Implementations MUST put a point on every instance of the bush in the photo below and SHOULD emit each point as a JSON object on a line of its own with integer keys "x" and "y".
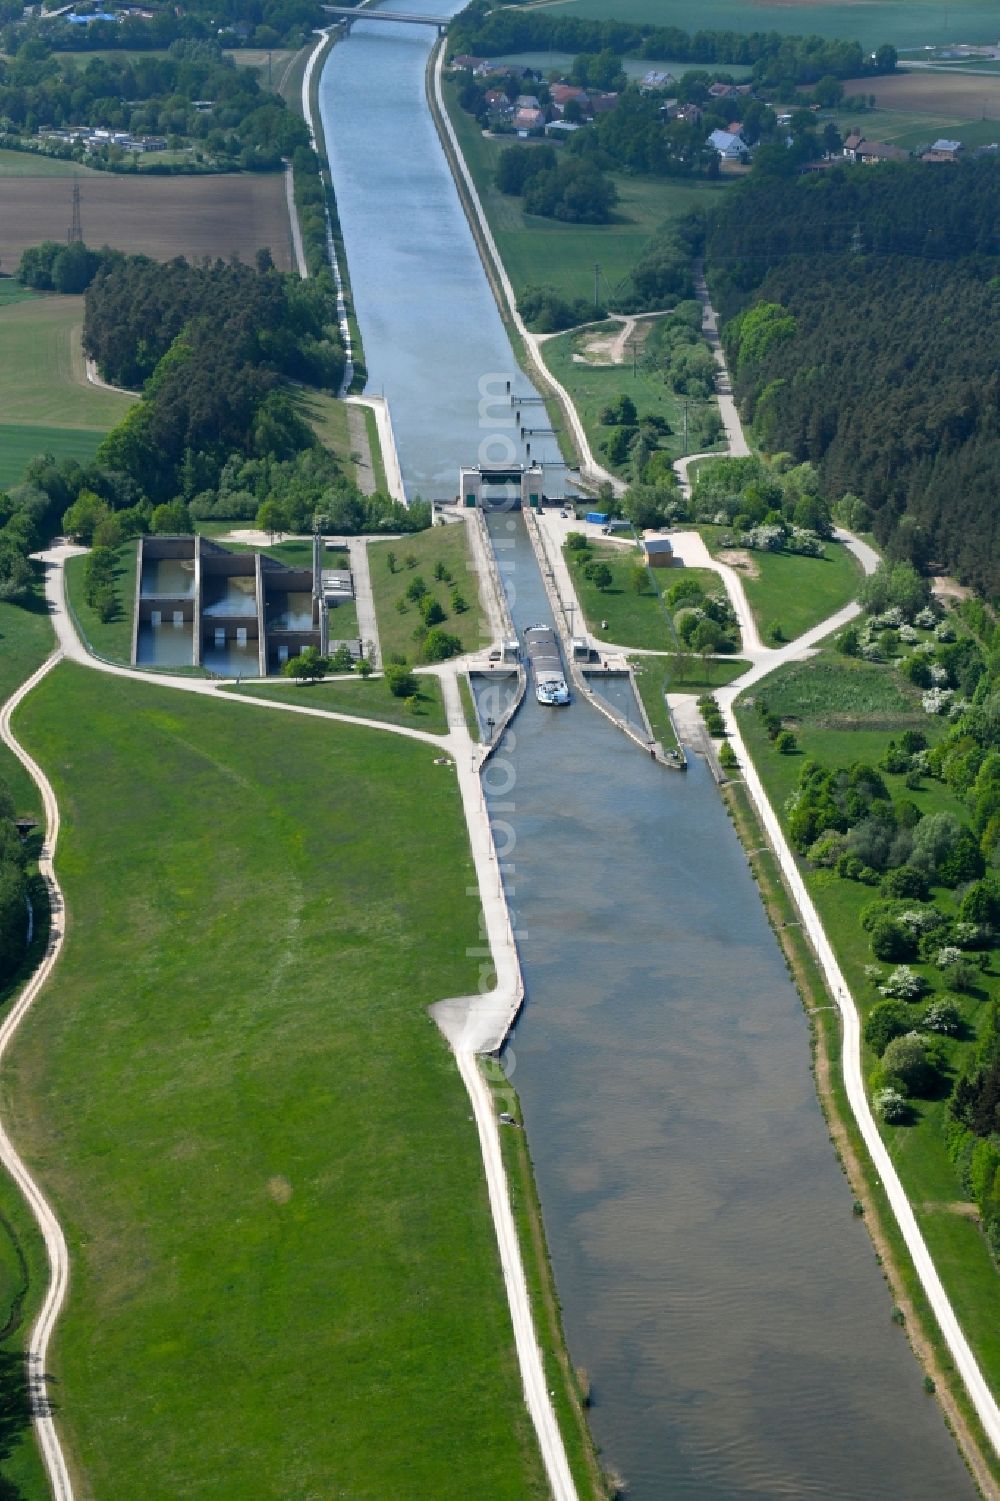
{"x": 908, "y": 1064}
{"x": 890, "y": 1106}
{"x": 904, "y": 984}
{"x": 905, "y": 880}
{"x": 785, "y": 742}
{"x": 942, "y": 1016}
{"x": 401, "y": 680}
{"x": 887, "y": 1020}
{"x": 891, "y": 940}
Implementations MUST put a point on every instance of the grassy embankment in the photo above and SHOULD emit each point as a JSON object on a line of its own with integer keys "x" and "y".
{"x": 844, "y": 711}
{"x": 263, "y": 1064}
{"x": 369, "y": 699}
{"x": 791, "y": 592}
{"x": 397, "y": 616}
{"x": 46, "y": 404}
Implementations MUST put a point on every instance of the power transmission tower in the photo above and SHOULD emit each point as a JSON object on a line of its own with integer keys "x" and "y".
{"x": 75, "y": 236}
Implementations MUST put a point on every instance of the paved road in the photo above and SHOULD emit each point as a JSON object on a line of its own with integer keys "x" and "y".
{"x": 357, "y": 548}
{"x": 293, "y": 224}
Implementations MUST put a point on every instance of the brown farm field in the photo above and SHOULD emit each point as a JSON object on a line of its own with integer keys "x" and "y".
{"x": 964, "y": 96}
{"x": 235, "y": 213}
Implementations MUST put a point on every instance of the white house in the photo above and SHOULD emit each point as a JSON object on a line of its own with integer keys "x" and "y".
{"x": 729, "y": 144}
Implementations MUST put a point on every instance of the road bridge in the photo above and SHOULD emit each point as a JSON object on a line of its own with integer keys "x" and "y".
{"x": 352, "y": 13}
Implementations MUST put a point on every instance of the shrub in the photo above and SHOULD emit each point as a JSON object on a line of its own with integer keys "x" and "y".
{"x": 905, "y": 880}
{"x": 401, "y": 680}
{"x": 885, "y": 1021}
{"x": 909, "y": 1064}
{"x": 942, "y": 1016}
{"x": 890, "y": 1106}
{"x": 891, "y": 940}
{"x": 785, "y": 742}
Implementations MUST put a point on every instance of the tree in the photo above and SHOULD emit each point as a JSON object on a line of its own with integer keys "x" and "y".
{"x": 934, "y": 838}
{"x": 272, "y": 518}
{"x": 15, "y": 571}
{"x": 365, "y": 667}
{"x": 390, "y": 561}
{"x": 432, "y": 610}
{"x": 307, "y": 666}
{"x": 600, "y": 576}
{"x": 785, "y": 742}
{"x": 439, "y": 645}
{"x": 84, "y": 515}
{"x": 638, "y": 578}
{"x": 908, "y": 1064}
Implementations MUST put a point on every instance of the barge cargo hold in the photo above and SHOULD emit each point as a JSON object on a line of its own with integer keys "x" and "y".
{"x": 542, "y": 651}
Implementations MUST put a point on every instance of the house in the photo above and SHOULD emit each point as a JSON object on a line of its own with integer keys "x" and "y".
{"x": 722, "y": 91}
{"x": 464, "y": 60}
{"x": 562, "y": 93}
{"x": 658, "y": 552}
{"x": 654, "y": 82}
{"x": 943, "y": 151}
{"x": 527, "y": 120}
{"x": 731, "y": 147}
{"x": 527, "y": 101}
{"x": 873, "y": 152}
{"x": 857, "y": 149}
{"x": 603, "y": 104}
{"x": 688, "y": 114}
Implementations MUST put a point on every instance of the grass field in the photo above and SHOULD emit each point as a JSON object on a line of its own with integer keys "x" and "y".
{"x": 224, "y": 215}
{"x": 43, "y": 380}
{"x": 794, "y": 592}
{"x": 370, "y": 700}
{"x": 543, "y": 251}
{"x": 110, "y": 638}
{"x": 652, "y": 682}
{"x": 633, "y": 619}
{"x": 593, "y": 387}
{"x": 904, "y": 23}
{"x": 841, "y": 694}
{"x": 328, "y": 419}
{"x": 284, "y": 1267}
{"x": 447, "y": 545}
{"x": 21, "y": 443}
{"x": 33, "y": 164}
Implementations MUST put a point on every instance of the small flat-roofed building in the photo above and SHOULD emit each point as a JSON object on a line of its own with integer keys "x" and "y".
{"x": 658, "y": 552}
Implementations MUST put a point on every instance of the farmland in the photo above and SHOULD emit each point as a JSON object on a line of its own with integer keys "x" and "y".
{"x": 956, "y": 96}
{"x": 224, "y": 215}
{"x": 904, "y": 23}
{"x": 334, "y": 1263}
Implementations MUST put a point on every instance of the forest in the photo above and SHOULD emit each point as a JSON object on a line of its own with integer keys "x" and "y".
{"x": 774, "y": 58}
{"x": 246, "y": 125}
{"x": 857, "y": 307}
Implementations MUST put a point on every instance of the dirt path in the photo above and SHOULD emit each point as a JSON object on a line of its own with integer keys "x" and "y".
{"x": 55, "y": 1241}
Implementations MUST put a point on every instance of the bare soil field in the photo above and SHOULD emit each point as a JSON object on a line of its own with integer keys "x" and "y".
{"x": 966, "y": 96}
{"x": 234, "y": 214}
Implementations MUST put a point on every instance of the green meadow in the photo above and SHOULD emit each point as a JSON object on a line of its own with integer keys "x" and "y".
{"x": 284, "y": 1267}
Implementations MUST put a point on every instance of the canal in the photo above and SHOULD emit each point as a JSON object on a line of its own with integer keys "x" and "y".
{"x": 723, "y": 1299}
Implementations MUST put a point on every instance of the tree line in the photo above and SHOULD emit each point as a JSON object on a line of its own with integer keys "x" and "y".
{"x": 773, "y": 57}
{"x": 856, "y": 317}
